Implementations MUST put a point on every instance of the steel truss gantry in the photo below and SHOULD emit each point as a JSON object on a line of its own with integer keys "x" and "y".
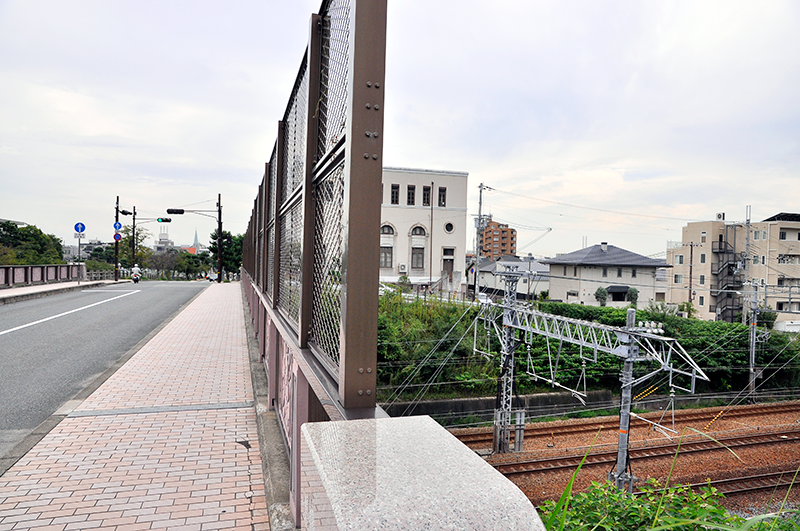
{"x": 515, "y": 325}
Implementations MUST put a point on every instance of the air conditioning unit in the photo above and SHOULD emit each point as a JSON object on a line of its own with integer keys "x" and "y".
{"x": 720, "y": 216}
{"x": 401, "y": 268}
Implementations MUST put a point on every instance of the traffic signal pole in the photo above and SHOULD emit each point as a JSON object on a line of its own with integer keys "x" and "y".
{"x": 116, "y": 243}
{"x": 219, "y": 238}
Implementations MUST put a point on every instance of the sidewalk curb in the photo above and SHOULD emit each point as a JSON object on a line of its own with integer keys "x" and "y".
{"x": 39, "y": 432}
{"x": 274, "y": 459}
{"x": 10, "y": 299}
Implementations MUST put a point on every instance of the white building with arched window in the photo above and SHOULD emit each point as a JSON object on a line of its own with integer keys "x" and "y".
{"x": 424, "y": 227}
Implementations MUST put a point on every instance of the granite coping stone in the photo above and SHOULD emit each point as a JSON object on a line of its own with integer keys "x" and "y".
{"x": 410, "y": 473}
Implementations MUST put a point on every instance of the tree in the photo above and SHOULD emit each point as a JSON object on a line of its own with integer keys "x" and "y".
{"x": 191, "y": 264}
{"x": 28, "y": 245}
{"x": 231, "y": 250}
{"x": 601, "y": 294}
{"x": 164, "y": 261}
{"x": 142, "y": 252}
{"x": 103, "y": 254}
{"x": 632, "y": 296}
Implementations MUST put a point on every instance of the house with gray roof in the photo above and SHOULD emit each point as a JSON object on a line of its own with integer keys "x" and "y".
{"x": 575, "y": 276}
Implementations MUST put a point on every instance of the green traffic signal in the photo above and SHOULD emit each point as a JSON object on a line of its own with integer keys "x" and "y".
{"x": 164, "y": 220}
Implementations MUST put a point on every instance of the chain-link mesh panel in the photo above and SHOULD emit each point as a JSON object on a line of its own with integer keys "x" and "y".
{"x": 294, "y": 158}
{"x": 327, "y": 291}
{"x": 333, "y": 75}
{"x": 273, "y": 184}
{"x": 268, "y": 258}
{"x": 290, "y": 257}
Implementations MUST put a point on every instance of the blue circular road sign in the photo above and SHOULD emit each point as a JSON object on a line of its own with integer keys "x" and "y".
{"x": 117, "y": 236}
{"x": 117, "y": 225}
{"x": 80, "y": 227}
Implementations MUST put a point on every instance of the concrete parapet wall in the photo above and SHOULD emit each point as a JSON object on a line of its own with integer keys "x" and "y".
{"x": 401, "y": 474}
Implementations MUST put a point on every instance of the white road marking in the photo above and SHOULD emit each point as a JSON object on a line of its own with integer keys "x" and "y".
{"x": 67, "y": 313}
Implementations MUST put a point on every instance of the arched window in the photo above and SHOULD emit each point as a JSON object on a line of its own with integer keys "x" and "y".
{"x": 418, "y": 231}
{"x": 387, "y": 229}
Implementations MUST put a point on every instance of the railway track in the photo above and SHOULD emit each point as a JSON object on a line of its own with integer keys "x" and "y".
{"x": 747, "y": 484}
{"x": 534, "y": 430}
{"x": 646, "y": 452}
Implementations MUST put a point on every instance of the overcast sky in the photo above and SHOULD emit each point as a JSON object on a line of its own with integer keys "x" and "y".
{"x": 604, "y": 121}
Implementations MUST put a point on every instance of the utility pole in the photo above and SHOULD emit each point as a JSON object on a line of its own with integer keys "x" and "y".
{"x": 430, "y": 266}
{"x": 753, "y": 340}
{"x": 116, "y": 243}
{"x": 505, "y": 385}
{"x": 691, "y": 246}
{"x": 480, "y": 226}
{"x": 622, "y": 477}
{"x": 747, "y": 259}
{"x": 219, "y": 238}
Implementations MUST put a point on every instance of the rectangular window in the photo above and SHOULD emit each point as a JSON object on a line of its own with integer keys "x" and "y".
{"x": 448, "y": 251}
{"x": 702, "y": 258}
{"x": 633, "y": 273}
{"x": 755, "y": 260}
{"x": 702, "y": 301}
{"x": 757, "y": 235}
{"x": 763, "y": 260}
{"x": 619, "y": 272}
{"x": 605, "y": 271}
{"x": 395, "y": 195}
{"x": 702, "y": 279}
{"x": 417, "y": 258}
{"x": 678, "y": 279}
{"x": 782, "y": 235}
{"x": 386, "y": 257}
{"x": 442, "y": 196}
{"x": 411, "y": 195}
{"x": 426, "y": 196}
{"x": 679, "y": 259}
{"x": 575, "y": 271}
{"x": 565, "y": 270}
{"x": 703, "y": 237}
{"x": 764, "y": 235}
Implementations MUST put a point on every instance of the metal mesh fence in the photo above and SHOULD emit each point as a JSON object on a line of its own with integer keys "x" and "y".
{"x": 295, "y": 140}
{"x": 268, "y": 258}
{"x": 289, "y": 274}
{"x": 327, "y": 291}
{"x": 333, "y": 75}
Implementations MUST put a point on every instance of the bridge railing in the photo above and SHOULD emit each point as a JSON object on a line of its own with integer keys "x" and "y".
{"x": 14, "y": 276}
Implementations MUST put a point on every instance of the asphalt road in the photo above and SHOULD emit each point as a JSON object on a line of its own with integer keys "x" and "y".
{"x": 53, "y": 347}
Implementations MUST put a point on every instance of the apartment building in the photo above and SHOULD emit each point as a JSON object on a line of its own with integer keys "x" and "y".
{"x": 497, "y": 240}
{"x": 424, "y": 227}
{"x": 719, "y": 266}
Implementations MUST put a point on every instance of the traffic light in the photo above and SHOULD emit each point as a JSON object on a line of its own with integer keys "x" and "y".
{"x": 174, "y": 211}
{"x": 164, "y": 220}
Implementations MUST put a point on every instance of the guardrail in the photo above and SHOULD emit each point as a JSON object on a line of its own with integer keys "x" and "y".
{"x": 26, "y": 275}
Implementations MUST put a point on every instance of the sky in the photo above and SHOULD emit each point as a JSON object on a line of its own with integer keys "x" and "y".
{"x": 590, "y": 121}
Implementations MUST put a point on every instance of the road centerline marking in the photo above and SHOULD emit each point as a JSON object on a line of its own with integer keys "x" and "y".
{"x": 66, "y": 313}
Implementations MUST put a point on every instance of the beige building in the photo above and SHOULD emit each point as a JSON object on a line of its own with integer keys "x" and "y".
{"x": 575, "y": 276}
{"x": 719, "y": 265}
{"x": 424, "y": 227}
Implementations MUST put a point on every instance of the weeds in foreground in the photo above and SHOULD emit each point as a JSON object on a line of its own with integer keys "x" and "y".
{"x": 657, "y": 508}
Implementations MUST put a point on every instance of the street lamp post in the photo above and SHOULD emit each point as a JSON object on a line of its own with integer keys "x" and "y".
{"x": 180, "y": 211}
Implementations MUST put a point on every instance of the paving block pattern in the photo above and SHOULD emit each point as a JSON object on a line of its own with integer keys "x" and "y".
{"x": 175, "y": 450}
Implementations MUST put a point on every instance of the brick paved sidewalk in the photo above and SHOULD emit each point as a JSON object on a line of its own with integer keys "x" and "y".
{"x": 168, "y": 442}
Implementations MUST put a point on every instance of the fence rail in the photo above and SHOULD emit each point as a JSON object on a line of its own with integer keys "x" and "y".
{"x": 14, "y": 276}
